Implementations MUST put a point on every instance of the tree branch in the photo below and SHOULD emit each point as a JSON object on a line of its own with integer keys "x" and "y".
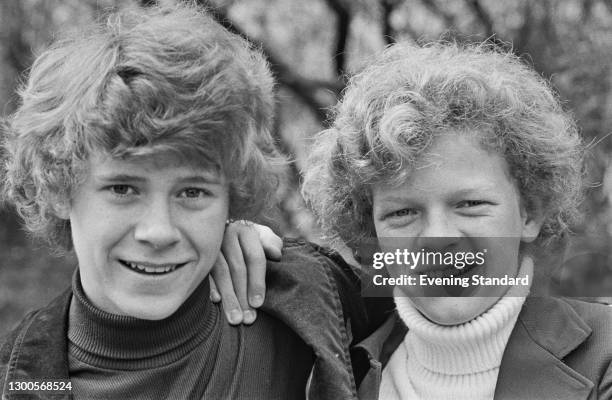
{"x": 484, "y": 18}
{"x": 524, "y": 32}
{"x": 342, "y": 29}
{"x": 587, "y": 8}
{"x": 315, "y": 94}
{"x": 387, "y": 8}
{"x": 433, "y": 7}
{"x": 306, "y": 90}
{"x": 18, "y": 52}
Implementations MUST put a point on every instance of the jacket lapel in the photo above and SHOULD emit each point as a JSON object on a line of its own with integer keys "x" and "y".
{"x": 546, "y": 331}
{"x": 40, "y": 352}
{"x": 373, "y": 353}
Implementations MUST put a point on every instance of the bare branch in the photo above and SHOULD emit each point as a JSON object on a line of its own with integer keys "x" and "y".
{"x": 433, "y": 7}
{"x": 342, "y": 29}
{"x": 148, "y": 3}
{"x": 524, "y": 32}
{"x": 387, "y": 9}
{"x": 18, "y": 52}
{"x": 315, "y": 94}
{"x": 305, "y": 90}
{"x": 483, "y": 16}
{"x": 587, "y": 9}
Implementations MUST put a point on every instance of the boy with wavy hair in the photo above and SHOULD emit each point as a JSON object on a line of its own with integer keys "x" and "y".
{"x": 133, "y": 145}
{"x": 453, "y": 148}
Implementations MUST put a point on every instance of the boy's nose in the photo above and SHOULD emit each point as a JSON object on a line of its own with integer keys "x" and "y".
{"x": 156, "y": 227}
{"x": 438, "y": 232}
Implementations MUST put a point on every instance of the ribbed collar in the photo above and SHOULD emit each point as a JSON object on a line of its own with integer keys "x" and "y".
{"x": 472, "y": 347}
{"x": 112, "y": 341}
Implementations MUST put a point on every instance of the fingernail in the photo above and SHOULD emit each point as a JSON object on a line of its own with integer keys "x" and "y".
{"x": 257, "y": 300}
{"x": 235, "y": 316}
{"x": 249, "y": 317}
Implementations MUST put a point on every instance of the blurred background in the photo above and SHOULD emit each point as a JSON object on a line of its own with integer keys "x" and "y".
{"x": 312, "y": 45}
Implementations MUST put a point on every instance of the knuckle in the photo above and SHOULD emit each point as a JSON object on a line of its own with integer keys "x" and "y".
{"x": 258, "y": 288}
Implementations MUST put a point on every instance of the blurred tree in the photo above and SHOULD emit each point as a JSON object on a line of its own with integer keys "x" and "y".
{"x": 313, "y": 45}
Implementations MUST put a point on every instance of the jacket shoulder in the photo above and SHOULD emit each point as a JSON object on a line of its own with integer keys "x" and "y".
{"x": 597, "y": 315}
{"x": 594, "y": 357}
{"x": 38, "y": 338}
{"x": 324, "y": 272}
{"x": 318, "y": 271}
{"x": 598, "y": 318}
{"x": 10, "y": 342}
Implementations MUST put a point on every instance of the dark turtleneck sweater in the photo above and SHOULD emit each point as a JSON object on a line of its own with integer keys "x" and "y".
{"x": 193, "y": 354}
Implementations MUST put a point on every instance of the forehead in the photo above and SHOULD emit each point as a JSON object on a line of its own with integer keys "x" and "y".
{"x": 150, "y": 163}
{"x": 454, "y": 162}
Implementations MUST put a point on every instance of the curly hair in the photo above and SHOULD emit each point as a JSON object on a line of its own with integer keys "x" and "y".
{"x": 143, "y": 82}
{"x": 392, "y": 110}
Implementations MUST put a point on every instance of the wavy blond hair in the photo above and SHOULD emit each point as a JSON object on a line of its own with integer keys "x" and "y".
{"x": 143, "y": 82}
{"x": 392, "y": 110}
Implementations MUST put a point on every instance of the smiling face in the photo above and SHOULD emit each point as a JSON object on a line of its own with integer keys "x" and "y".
{"x": 146, "y": 232}
{"x": 460, "y": 195}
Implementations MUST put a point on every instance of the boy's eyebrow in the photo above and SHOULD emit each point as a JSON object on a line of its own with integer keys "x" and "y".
{"x": 476, "y": 190}
{"x": 203, "y": 178}
{"x": 121, "y": 178}
{"x": 195, "y": 179}
{"x": 394, "y": 199}
{"x": 480, "y": 190}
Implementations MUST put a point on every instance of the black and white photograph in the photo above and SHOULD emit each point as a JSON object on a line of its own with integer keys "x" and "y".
{"x": 325, "y": 199}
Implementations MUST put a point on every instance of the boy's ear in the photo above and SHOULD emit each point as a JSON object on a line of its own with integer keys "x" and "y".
{"x": 532, "y": 223}
{"x": 62, "y": 209}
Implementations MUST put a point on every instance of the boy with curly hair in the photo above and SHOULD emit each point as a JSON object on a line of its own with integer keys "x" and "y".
{"x": 134, "y": 143}
{"x": 451, "y": 148}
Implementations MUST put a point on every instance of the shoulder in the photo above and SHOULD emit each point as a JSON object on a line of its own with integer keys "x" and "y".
{"x": 579, "y": 324}
{"x": 10, "y": 346}
{"x": 598, "y": 320}
{"x": 597, "y": 315}
{"x": 10, "y": 339}
{"x": 38, "y": 337}
{"x": 307, "y": 268}
{"x": 316, "y": 265}
{"x": 594, "y": 356}
{"x": 314, "y": 276}
{"x": 576, "y": 331}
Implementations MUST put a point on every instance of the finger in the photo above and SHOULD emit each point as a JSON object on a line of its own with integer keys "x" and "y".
{"x": 237, "y": 267}
{"x": 255, "y": 260}
{"x": 215, "y": 297}
{"x": 250, "y": 316}
{"x": 223, "y": 281}
{"x": 271, "y": 243}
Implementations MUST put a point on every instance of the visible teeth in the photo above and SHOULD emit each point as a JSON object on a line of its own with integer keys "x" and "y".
{"x": 152, "y": 270}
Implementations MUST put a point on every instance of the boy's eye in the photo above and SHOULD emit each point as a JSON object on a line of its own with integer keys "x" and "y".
{"x": 122, "y": 190}
{"x": 471, "y": 203}
{"x": 194, "y": 193}
{"x": 404, "y": 212}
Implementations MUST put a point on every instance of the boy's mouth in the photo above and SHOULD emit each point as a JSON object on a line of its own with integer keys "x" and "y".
{"x": 447, "y": 271}
{"x": 151, "y": 269}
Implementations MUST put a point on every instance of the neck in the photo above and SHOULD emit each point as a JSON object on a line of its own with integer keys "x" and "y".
{"x": 116, "y": 341}
{"x": 472, "y": 346}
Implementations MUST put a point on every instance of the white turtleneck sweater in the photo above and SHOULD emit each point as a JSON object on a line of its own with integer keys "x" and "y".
{"x": 452, "y": 362}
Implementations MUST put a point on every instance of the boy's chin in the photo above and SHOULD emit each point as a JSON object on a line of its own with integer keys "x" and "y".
{"x": 453, "y": 310}
{"x": 151, "y": 309}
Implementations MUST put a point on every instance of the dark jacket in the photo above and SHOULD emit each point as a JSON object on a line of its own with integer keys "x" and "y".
{"x": 312, "y": 290}
{"x": 559, "y": 349}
